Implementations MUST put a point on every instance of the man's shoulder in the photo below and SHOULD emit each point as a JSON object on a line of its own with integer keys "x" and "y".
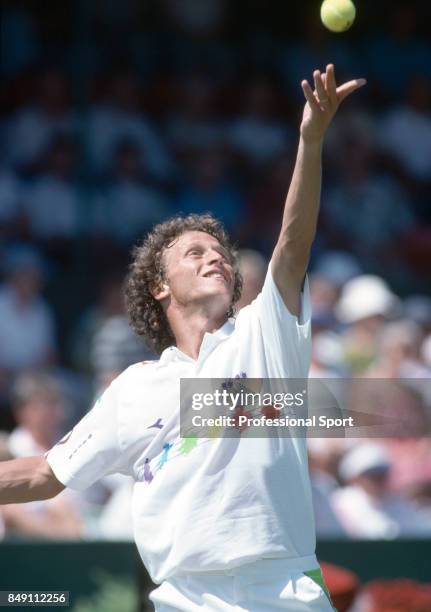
{"x": 135, "y": 371}
{"x": 133, "y": 379}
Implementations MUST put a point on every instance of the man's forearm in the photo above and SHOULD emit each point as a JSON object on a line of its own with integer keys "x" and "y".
{"x": 27, "y": 479}
{"x": 292, "y": 251}
{"x": 302, "y": 205}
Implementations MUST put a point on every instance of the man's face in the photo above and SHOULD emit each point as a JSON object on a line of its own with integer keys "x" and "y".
{"x": 198, "y": 269}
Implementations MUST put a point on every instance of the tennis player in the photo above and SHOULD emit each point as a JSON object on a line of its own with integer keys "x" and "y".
{"x": 222, "y": 524}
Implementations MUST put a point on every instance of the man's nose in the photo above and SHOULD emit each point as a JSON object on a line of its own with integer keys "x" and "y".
{"x": 214, "y": 257}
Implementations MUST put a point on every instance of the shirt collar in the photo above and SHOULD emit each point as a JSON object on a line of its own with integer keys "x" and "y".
{"x": 209, "y": 342}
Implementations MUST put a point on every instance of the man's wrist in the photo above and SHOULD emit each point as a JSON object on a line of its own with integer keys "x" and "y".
{"x": 310, "y": 143}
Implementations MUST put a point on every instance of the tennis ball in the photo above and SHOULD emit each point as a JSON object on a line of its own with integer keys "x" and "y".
{"x": 337, "y": 15}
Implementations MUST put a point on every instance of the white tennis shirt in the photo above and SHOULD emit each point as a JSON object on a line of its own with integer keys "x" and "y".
{"x": 221, "y": 502}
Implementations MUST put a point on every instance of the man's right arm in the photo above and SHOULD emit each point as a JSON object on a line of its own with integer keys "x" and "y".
{"x": 27, "y": 479}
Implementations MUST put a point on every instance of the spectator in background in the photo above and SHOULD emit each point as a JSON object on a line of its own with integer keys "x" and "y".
{"x": 365, "y": 303}
{"x": 337, "y": 267}
{"x": 129, "y": 205}
{"x": 411, "y": 468}
{"x": 327, "y": 351}
{"x": 332, "y": 270}
{"x": 405, "y": 130}
{"x": 103, "y": 343}
{"x": 27, "y": 338}
{"x": 40, "y": 410}
{"x": 417, "y": 308}
{"x": 365, "y": 506}
{"x": 118, "y": 118}
{"x": 323, "y": 457}
{"x": 401, "y": 41}
{"x": 398, "y": 357}
{"x": 324, "y": 295}
{"x": 31, "y": 130}
{"x": 10, "y": 199}
{"x": 115, "y": 347}
{"x": 327, "y": 356}
{"x": 39, "y": 414}
{"x": 196, "y": 17}
{"x": 210, "y": 188}
{"x": 52, "y": 201}
{"x": 367, "y": 212}
{"x": 265, "y": 204}
{"x": 193, "y": 35}
{"x": 257, "y": 134}
{"x": 398, "y": 354}
{"x": 109, "y": 303}
{"x": 194, "y": 125}
{"x": 253, "y": 267}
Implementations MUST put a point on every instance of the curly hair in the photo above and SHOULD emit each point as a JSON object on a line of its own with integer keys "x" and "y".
{"x": 147, "y": 272}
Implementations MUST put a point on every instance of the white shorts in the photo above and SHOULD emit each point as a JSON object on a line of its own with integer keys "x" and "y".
{"x": 262, "y": 586}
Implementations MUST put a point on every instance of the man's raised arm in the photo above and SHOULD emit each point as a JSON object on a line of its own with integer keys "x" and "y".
{"x": 291, "y": 254}
{"x": 27, "y": 479}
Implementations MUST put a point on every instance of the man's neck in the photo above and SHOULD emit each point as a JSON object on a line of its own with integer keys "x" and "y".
{"x": 189, "y": 329}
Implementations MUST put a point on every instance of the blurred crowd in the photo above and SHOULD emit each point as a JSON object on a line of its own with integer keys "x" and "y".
{"x": 112, "y": 120}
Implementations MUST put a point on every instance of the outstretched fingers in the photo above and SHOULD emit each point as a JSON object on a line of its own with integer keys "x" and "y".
{"x": 347, "y": 88}
{"x": 319, "y": 85}
{"x": 309, "y": 95}
{"x": 331, "y": 85}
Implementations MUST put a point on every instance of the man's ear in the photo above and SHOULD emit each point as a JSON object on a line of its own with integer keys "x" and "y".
{"x": 161, "y": 292}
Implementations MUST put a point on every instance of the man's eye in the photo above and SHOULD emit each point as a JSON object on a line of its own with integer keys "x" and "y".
{"x": 193, "y": 252}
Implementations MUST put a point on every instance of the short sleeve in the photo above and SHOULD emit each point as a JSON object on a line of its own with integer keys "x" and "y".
{"x": 91, "y": 449}
{"x": 286, "y": 338}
